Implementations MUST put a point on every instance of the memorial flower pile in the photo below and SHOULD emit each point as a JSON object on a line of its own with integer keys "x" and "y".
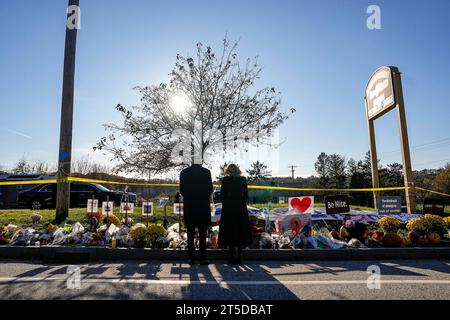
{"x": 279, "y": 229}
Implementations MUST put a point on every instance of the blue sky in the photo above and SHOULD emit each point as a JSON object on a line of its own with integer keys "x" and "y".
{"x": 319, "y": 54}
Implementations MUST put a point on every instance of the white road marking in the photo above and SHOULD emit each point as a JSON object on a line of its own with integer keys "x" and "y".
{"x": 12, "y": 280}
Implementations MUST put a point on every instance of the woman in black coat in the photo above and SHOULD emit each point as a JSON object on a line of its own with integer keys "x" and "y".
{"x": 234, "y": 228}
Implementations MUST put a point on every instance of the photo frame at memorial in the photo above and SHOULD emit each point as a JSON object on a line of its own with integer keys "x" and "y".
{"x": 107, "y": 207}
{"x": 92, "y": 206}
{"x": 294, "y": 224}
{"x": 126, "y": 207}
{"x": 178, "y": 208}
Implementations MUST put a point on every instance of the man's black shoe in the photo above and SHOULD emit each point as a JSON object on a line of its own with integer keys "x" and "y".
{"x": 204, "y": 262}
{"x": 191, "y": 262}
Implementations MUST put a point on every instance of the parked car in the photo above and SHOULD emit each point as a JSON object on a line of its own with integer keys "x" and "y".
{"x": 44, "y": 195}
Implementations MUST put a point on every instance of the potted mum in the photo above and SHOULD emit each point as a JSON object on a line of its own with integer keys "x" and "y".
{"x": 390, "y": 226}
{"x": 155, "y": 235}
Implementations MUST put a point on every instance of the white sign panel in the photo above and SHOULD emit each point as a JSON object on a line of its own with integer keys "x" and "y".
{"x": 302, "y": 204}
{"x": 126, "y": 207}
{"x": 147, "y": 208}
{"x": 92, "y": 205}
{"x": 107, "y": 207}
{"x": 380, "y": 93}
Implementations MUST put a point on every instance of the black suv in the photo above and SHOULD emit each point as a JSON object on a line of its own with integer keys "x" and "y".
{"x": 44, "y": 195}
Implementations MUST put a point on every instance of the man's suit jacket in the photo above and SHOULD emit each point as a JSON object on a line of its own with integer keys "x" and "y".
{"x": 196, "y": 188}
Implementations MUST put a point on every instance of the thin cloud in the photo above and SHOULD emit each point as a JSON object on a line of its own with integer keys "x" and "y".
{"x": 18, "y": 133}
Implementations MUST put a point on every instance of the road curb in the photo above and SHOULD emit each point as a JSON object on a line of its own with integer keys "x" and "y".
{"x": 105, "y": 254}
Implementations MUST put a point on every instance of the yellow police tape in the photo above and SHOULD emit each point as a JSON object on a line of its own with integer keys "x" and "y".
{"x": 434, "y": 192}
{"x": 75, "y": 179}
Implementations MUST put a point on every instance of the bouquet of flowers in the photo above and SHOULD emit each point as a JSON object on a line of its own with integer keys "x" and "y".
{"x": 111, "y": 218}
{"x": 51, "y": 228}
{"x": 97, "y": 215}
{"x": 266, "y": 241}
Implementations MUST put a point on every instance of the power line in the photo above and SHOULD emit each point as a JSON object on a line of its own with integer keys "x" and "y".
{"x": 430, "y": 162}
{"x": 425, "y": 146}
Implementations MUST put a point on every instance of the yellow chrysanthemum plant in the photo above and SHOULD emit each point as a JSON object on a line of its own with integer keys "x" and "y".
{"x": 436, "y": 224}
{"x": 155, "y": 234}
{"x": 389, "y": 224}
{"x": 428, "y": 224}
{"x": 139, "y": 236}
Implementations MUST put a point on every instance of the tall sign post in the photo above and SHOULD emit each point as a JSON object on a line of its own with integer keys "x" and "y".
{"x": 383, "y": 93}
{"x": 65, "y": 139}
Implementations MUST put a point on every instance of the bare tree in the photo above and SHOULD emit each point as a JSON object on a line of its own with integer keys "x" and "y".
{"x": 22, "y": 166}
{"x": 41, "y": 167}
{"x": 25, "y": 166}
{"x": 85, "y": 166}
{"x": 222, "y": 99}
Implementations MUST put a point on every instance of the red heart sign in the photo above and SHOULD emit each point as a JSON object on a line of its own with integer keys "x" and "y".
{"x": 301, "y": 205}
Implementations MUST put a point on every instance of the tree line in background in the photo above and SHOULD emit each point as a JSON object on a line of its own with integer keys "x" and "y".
{"x": 83, "y": 166}
{"x": 86, "y": 168}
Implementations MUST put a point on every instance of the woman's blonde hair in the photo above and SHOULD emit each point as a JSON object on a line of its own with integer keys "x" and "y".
{"x": 232, "y": 170}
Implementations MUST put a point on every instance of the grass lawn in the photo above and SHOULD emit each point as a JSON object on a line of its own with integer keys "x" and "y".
{"x": 22, "y": 218}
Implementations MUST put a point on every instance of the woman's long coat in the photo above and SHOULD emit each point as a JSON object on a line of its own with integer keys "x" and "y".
{"x": 234, "y": 222}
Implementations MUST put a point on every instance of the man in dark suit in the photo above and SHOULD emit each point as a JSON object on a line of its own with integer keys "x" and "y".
{"x": 196, "y": 188}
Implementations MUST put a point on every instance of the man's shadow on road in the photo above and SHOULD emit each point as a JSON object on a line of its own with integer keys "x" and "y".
{"x": 232, "y": 282}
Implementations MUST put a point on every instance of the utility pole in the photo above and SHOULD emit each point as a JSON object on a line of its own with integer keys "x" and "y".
{"x": 293, "y": 172}
{"x": 65, "y": 139}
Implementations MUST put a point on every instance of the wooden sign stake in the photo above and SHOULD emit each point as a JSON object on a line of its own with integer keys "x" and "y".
{"x": 397, "y": 103}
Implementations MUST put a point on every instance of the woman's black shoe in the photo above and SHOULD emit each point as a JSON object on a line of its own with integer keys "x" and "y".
{"x": 239, "y": 260}
{"x": 232, "y": 260}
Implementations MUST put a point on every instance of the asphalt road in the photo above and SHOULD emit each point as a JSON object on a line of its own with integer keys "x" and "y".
{"x": 400, "y": 279}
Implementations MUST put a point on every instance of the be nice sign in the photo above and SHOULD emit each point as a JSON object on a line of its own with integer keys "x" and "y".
{"x": 337, "y": 204}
